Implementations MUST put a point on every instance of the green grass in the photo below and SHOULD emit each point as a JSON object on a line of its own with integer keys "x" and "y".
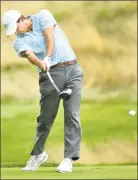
{"x": 102, "y": 123}
{"x": 86, "y": 172}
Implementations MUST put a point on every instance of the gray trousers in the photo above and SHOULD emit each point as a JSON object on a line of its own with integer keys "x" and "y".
{"x": 64, "y": 77}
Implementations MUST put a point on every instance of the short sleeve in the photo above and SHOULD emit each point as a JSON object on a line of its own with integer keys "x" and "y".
{"x": 46, "y": 19}
{"x": 21, "y": 46}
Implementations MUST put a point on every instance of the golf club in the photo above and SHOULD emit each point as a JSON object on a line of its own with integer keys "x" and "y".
{"x": 65, "y": 94}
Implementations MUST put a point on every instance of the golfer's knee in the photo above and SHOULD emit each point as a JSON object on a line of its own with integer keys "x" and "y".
{"x": 44, "y": 124}
{"x": 73, "y": 119}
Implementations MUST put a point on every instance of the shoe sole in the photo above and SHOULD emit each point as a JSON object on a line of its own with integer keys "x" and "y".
{"x": 38, "y": 164}
{"x": 63, "y": 171}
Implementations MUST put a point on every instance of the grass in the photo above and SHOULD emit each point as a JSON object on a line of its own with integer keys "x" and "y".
{"x": 107, "y": 131}
{"x": 103, "y": 36}
{"x": 86, "y": 172}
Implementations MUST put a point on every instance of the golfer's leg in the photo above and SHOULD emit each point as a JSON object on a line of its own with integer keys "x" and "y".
{"x": 49, "y": 107}
{"x": 72, "y": 115}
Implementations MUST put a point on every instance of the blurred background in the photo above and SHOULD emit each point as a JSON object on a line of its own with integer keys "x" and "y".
{"x": 103, "y": 35}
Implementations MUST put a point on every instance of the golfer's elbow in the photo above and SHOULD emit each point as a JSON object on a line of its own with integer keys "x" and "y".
{"x": 25, "y": 54}
{"x": 28, "y": 53}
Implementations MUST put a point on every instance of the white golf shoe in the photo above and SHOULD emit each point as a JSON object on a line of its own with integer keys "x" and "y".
{"x": 65, "y": 166}
{"x": 35, "y": 161}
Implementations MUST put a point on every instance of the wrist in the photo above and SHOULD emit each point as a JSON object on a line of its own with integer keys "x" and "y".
{"x": 39, "y": 64}
{"x": 47, "y": 60}
{"x": 49, "y": 56}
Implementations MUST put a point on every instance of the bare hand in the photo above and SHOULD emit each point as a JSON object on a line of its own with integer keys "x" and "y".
{"x": 43, "y": 66}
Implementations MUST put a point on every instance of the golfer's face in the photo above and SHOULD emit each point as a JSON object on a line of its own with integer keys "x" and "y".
{"x": 21, "y": 27}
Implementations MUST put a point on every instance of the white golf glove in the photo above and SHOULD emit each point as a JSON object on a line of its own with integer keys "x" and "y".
{"x": 47, "y": 60}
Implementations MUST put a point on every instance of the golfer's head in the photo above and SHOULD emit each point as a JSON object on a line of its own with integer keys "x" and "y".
{"x": 14, "y": 22}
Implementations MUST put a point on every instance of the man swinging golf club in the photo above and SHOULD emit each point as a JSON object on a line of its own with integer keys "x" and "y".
{"x": 40, "y": 39}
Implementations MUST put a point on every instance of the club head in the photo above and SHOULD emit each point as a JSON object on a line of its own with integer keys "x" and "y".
{"x": 65, "y": 94}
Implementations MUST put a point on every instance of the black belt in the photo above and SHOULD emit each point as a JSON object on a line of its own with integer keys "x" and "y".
{"x": 66, "y": 63}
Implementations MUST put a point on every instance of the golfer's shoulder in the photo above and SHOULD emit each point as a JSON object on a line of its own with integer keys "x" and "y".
{"x": 18, "y": 41}
{"x": 44, "y": 13}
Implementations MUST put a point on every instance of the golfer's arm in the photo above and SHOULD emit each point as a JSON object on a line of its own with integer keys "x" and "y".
{"x": 31, "y": 57}
{"x": 49, "y": 37}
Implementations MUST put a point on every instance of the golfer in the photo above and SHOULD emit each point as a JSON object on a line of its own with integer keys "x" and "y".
{"x": 40, "y": 40}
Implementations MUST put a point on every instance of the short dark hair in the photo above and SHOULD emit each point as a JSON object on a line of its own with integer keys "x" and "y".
{"x": 21, "y": 18}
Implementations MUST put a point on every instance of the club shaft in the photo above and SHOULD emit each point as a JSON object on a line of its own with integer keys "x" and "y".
{"x": 53, "y": 83}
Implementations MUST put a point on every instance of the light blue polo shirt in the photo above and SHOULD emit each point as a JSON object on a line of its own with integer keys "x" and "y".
{"x": 36, "y": 41}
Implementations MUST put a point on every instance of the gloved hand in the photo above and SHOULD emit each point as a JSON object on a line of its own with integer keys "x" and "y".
{"x": 47, "y": 60}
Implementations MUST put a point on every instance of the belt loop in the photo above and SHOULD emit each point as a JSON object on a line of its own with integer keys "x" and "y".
{"x": 62, "y": 64}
